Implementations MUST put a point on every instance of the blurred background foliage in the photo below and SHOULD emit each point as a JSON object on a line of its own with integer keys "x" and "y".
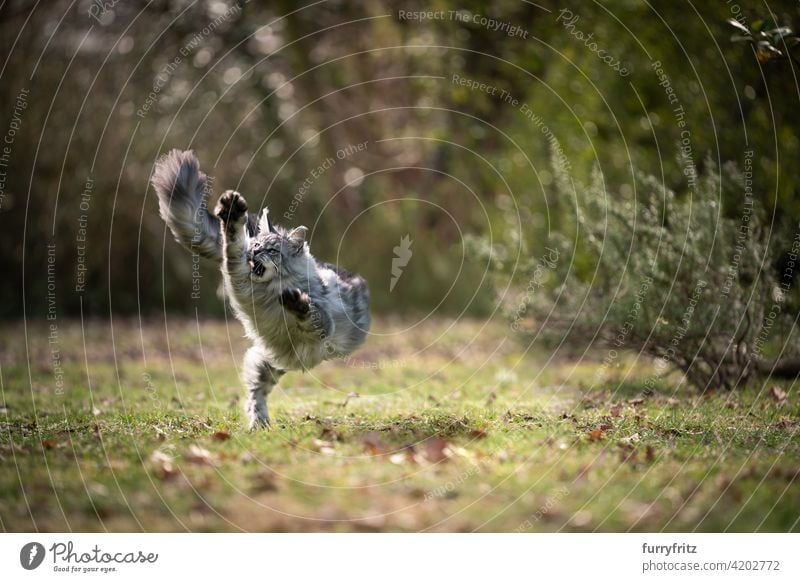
{"x": 266, "y": 92}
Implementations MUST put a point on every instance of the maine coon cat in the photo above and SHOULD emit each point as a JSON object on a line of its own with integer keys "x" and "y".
{"x": 297, "y": 310}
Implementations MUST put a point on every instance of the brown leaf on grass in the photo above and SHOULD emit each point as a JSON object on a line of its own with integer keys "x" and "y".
{"x": 221, "y": 435}
{"x": 264, "y": 481}
{"x": 786, "y": 422}
{"x": 477, "y": 433}
{"x": 616, "y": 410}
{"x": 778, "y": 395}
{"x": 373, "y": 444}
{"x": 163, "y": 464}
{"x": 407, "y": 455}
{"x": 437, "y": 450}
{"x": 199, "y": 456}
{"x": 634, "y": 438}
{"x": 636, "y": 401}
{"x": 590, "y": 402}
{"x": 49, "y": 443}
{"x": 328, "y": 433}
{"x": 323, "y": 447}
{"x": 673, "y": 402}
{"x": 595, "y": 435}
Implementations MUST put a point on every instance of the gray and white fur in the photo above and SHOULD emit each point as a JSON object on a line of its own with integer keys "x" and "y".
{"x": 297, "y": 310}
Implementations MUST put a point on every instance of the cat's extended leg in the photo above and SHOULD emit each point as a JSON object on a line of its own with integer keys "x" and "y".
{"x": 260, "y": 378}
{"x": 232, "y": 213}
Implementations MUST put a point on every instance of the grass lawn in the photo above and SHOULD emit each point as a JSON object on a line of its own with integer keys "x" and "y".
{"x": 436, "y": 426}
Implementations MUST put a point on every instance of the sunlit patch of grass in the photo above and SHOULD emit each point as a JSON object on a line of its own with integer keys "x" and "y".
{"x": 422, "y": 430}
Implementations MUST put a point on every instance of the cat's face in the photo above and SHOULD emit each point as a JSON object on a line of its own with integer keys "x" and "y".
{"x": 274, "y": 252}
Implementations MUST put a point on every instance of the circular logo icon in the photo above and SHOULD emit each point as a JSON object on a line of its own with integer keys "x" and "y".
{"x": 31, "y": 555}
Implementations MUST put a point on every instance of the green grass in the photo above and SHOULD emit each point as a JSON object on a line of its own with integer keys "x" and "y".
{"x": 447, "y": 427}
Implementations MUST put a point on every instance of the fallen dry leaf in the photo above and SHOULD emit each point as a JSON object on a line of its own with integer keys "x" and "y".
{"x": 163, "y": 464}
{"x": 264, "y": 481}
{"x": 477, "y": 433}
{"x": 616, "y": 410}
{"x": 373, "y": 444}
{"x": 634, "y": 438}
{"x": 221, "y": 435}
{"x": 329, "y": 433}
{"x": 49, "y": 443}
{"x": 595, "y": 435}
{"x": 323, "y": 447}
{"x": 199, "y": 455}
{"x": 777, "y": 394}
{"x": 402, "y": 457}
{"x": 437, "y": 450}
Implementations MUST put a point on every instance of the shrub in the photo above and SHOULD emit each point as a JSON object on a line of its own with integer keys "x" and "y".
{"x": 666, "y": 275}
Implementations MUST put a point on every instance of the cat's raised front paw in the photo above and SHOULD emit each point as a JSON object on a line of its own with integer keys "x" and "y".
{"x": 296, "y": 301}
{"x": 231, "y": 207}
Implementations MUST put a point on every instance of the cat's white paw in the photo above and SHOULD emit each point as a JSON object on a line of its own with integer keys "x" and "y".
{"x": 259, "y": 423}
{"x": 257, "y": 412}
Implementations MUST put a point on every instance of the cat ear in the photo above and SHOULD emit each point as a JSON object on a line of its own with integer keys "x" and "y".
{"x": 297, "y": 236}
{"x": 264, "y": 223}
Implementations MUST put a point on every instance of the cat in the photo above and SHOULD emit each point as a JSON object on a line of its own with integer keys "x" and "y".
{"x": 296, "y": 310}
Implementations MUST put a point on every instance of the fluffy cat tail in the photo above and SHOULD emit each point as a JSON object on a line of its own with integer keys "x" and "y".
{"x": 181, "y": 190}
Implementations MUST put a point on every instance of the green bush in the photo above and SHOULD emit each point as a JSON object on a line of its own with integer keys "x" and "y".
{"x": 669, "y": 276}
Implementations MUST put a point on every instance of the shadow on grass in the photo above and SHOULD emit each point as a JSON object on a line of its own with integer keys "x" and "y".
{"x": 400, "y": 432}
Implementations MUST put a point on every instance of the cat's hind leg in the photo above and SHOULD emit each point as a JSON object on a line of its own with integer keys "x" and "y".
{"x": 260, "y": 377}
